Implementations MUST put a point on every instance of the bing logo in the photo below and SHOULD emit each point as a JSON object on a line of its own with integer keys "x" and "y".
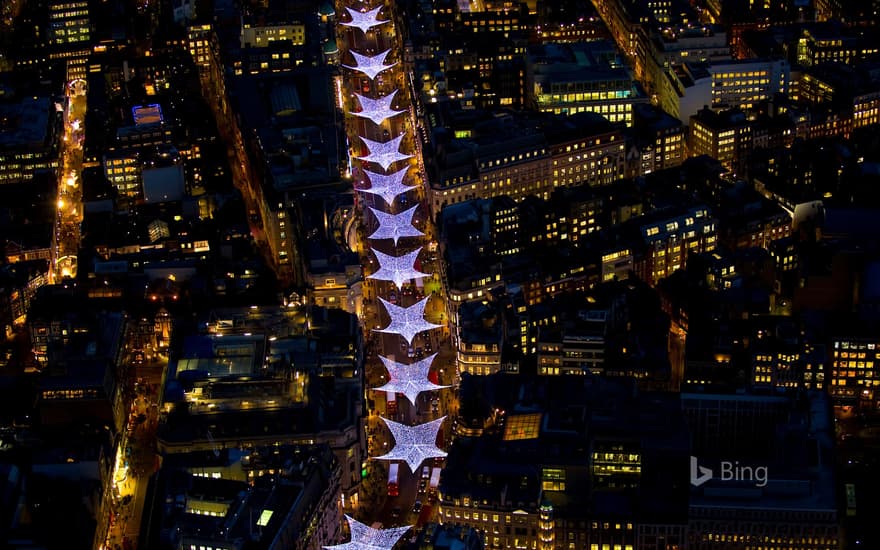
{"x": 730, "y": 471}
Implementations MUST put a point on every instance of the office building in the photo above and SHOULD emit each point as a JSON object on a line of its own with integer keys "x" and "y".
{"x": 582, "y": 77}
{"x": 260, "y": 34}
{"x": 793, "y": 503}
{"x": 29, "y": 139}
{"x": 80, "y": 348}
{"x": 473, "y": 235}
{"x": 69, "y": 23}
{"x": 19, "y": 283}
{"x": 732, "y": 84}
{"x": 855, "y": 370}
{"x": 276, "y": 497}
{"x": 831, "y": 42}
{"x": 660, "y": 141}
{"x": 669, "y": 237}
{"x": 518, "y": 155}
{"x": 585, "y": 149}
{"x": 28, "y": 230}
{"x": 123, "y": 170}
{"x": 675, "y": 44}
{"x": 68, "y": 34}
{"x": 333, "y": 271}
{"x": 725, "y": 136}
{"x": 269, "y": 376}
{"x": 479, "y": 338}
{"x": 743, "y": 84}
{"x": 577, "y": 348}
{"x": 537, "y": 478}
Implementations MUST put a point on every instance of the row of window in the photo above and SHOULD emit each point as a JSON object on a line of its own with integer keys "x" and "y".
{"x": 855, "y": 345}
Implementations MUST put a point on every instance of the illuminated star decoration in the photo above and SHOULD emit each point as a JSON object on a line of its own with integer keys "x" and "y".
{"x": 414, "y": 444}
{"x": 407, "y": 321}
{"x": 384, "y": 153}
{"x": 364, "y": 537}
{"x": 364, "y": 21}
{"x": 378, "y": 110}
{"x": 395, "y": 226}
{"x": 370, "y": 66}
{"x": 410, "y": 380}
{"x": 387, "y": 186}
{"x": 398, "y": 269}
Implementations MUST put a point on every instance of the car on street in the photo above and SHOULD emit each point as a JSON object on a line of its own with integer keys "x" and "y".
{"x": 417, "y": 507}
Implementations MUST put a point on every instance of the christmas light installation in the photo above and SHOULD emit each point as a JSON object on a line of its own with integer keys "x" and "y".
{"x": 387, "y": 186}
{"x": 378, "y": 110}
{"x": 370, "y": 65}
{"x": 364, "y": 20}
{"x": 410, "y": 380}
{"x": 364, "y": 537}
{"x": 407, "y": 321}
{"x": 414, "y": 444}
{"x": 384, "y": 153}
{"x": 398, "y": 269}
{"x": 395, "y": 226}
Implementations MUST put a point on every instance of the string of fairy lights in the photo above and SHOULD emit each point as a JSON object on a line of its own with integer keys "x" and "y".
{"x": 412, "y": 444}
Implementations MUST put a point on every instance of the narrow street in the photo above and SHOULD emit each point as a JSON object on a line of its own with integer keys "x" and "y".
{"x": 69, "y": 203}
{"x": 136, "y": 460}
{"x": 243, "y": 177}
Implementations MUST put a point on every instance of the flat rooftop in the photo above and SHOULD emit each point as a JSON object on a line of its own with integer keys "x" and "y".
{"x": 147, "y": 114}
{"x": 25, "y": 125}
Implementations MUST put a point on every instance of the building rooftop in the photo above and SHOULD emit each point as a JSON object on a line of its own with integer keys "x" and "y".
{"x": 582, "y": 61}
{"x": 27, "y": 125}
{"x": 799, "y": 478}
{"x": 557, "y": 422}
{"x": 147, "y": 114}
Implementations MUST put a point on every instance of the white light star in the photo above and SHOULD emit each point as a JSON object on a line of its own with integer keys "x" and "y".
{"x": 407, "y": 321}
{"x": 410, "y": 380}
{"x": 378, "y": 110}
{"x": 387, "y": 186}
{"x": 395, "y": 226}
{"x": 370, "y": 65}
{"x": 364, "y": 537}
{"x": 364, "y": 21}
{"x": 398, "y": 269}
{"x": 384, "y": 153}
{"x": 414, "y": 444}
